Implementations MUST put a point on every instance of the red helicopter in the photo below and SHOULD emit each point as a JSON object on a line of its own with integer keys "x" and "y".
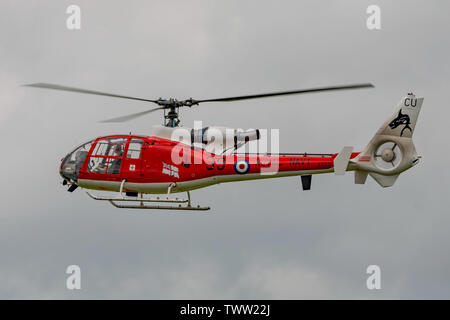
{"x": 175, "y": 159}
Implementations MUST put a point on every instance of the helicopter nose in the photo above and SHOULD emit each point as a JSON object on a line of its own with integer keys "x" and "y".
{"x": 67, "y": 169}
{"x": 68, "y": 172}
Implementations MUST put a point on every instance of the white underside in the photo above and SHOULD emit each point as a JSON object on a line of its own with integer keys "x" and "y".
{"x": 182, "y": 186}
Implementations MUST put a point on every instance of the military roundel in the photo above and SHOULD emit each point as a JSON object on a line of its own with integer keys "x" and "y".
{"x": 241, "y": 166}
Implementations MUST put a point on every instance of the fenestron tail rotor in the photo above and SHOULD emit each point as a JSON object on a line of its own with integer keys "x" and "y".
{"x": 171, "y": 106}
{"x": 388, "y": 155}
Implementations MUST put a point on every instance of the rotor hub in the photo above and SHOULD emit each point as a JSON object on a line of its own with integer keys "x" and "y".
{"x": 388, "y": 155}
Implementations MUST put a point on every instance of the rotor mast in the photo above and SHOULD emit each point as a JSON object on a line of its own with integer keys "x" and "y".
{"x": 171, "y": 119}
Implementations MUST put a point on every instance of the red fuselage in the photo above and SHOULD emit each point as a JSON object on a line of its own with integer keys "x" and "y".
{"x": 151, "y": 164}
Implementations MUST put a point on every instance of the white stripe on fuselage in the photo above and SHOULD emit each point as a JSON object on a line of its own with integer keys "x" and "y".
{"x": 181, "y": 186}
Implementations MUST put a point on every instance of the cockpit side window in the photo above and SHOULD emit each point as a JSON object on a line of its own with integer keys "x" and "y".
{"x": 107, "y": 156}
{"x": 134, "y": 149}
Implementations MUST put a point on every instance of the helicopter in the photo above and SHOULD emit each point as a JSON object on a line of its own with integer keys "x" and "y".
{"x": 174, "y": 159}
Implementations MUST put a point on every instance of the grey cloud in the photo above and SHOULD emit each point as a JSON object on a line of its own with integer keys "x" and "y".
{"x": 263, "y": 239}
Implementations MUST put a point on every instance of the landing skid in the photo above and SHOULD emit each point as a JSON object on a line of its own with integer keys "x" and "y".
{"x": 141, "y": 202}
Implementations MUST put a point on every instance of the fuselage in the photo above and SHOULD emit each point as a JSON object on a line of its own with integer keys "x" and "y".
{"x": 149, "y": 164}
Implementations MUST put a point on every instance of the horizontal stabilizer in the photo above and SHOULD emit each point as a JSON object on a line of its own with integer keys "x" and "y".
{"x": 341, "y": 161}
{"x": 384, "y": 181}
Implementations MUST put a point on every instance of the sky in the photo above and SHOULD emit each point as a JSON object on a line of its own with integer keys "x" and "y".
{"x": 264, "y": 239}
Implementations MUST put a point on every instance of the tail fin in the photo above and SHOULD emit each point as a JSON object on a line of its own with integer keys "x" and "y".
{"x": 391, "y": 151}
{"x": 403, "y": 121}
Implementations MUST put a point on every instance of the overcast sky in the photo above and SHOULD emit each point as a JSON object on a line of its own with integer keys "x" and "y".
{"x": 262, "y": 239}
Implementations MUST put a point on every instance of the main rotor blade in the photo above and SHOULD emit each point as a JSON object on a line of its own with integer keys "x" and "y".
{"x": 71, "y": 89}
{"x": 131, "y": 116}
{"x": 284, "y": 93}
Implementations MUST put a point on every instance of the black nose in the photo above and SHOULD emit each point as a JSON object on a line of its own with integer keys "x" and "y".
{"x": 67, "y": 170}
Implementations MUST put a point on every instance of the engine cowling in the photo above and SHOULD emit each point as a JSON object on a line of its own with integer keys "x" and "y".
{"x": 221, "y": 139}
{"x": 210, "y": 134}
{"x": 214, "y": 139}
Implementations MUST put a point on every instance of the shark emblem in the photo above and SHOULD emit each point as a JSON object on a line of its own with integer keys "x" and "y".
{"x": 401, "y": 119}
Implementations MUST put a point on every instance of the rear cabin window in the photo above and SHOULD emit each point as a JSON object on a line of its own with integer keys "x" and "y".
{"x": 107, "y": 156}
